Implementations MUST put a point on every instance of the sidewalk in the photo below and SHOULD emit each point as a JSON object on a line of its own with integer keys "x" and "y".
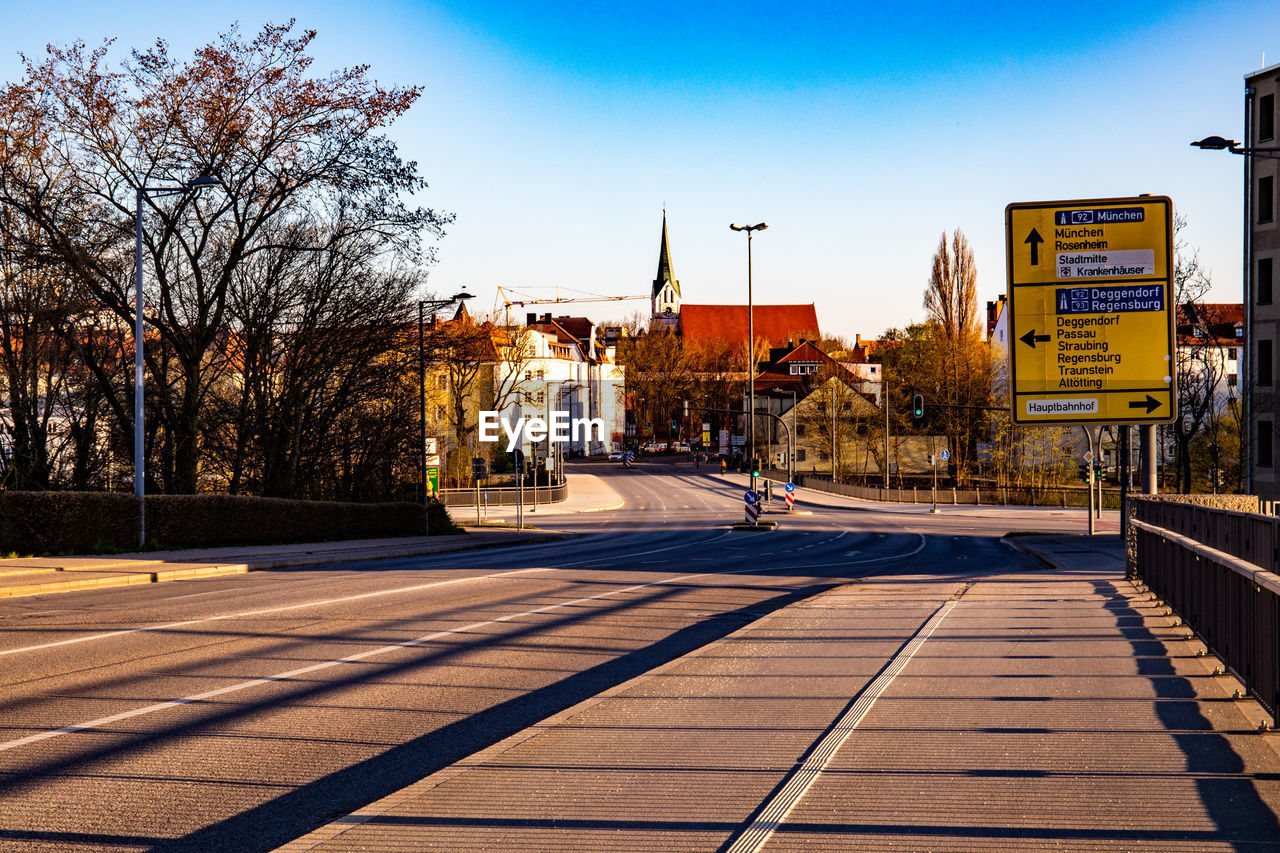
{"x": 25, "y": 576}
{"x": 22, "y": 576}
{"x": 1040, "y": 709}
{"x": 587, "y": 493}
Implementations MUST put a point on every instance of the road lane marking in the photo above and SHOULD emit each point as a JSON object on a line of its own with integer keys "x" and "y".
{"x": 245, "y": 614}
{"x": 781, "y": 804}
{"x": 356, "y": 658}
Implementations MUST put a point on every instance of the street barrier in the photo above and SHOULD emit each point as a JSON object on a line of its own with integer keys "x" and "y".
{"x": 1215, "y": 569}
{"x": 504, "y": 495}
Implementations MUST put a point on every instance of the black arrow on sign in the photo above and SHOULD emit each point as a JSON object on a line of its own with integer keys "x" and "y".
{"x": 1031, "y": 337}
{"x": 1035, "y": 240}
{"x": 1150, "y": 404}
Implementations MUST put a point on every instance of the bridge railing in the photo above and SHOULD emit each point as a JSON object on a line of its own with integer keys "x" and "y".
{"x": 1215, "y": 569}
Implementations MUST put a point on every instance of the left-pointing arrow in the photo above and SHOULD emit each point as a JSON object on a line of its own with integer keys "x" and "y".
{"x": 1030, "y": 338}
{"x": 1150, "y": 404}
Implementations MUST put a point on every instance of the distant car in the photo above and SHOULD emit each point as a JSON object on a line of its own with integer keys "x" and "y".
{"x": 680, "y": 447}
{"x": 615, "y": 456}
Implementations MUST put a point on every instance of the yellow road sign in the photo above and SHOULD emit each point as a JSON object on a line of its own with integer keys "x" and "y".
{"x": 1091, "y": 314}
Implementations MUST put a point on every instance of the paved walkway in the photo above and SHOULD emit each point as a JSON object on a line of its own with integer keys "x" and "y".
{"x": 1050, "y": 709}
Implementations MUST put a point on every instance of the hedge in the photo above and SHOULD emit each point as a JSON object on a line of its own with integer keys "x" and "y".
{"x": 105, "y": 522}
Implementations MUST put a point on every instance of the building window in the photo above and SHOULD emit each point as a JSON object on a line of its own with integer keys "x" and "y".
{"x": 799, "y": 427}
{"x": 1264, "y": 444}
{"x": 1231, "y": 380}
{"x": 1232, "y": 354}
{"x": 1266, "y": 198}
{"x": 1264, "y": 281}
{"x": 1263, "y": 368}
{"x": 800, "y": 455}
{"x": 1267, "y": 117}
{"x": 824, "y": 456}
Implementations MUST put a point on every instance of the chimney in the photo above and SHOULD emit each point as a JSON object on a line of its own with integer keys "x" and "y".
{"x": 546, "y": 318}
{"x": 530, "y": 319}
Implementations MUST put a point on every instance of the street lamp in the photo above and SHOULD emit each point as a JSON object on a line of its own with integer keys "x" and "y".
{"x": 1217, "y": 143}
{"x": 423, "y": 305}
{"x": 139, "y": 457}
{"x": 751, "y": 347}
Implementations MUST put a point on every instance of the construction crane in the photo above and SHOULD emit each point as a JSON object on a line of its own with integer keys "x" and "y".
{"x": 505, "y": 295}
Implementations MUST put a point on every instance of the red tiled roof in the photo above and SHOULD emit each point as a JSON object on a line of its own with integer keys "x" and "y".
{"x": 776, "y": 324}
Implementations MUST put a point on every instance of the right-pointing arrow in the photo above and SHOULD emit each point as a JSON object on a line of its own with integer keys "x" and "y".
{"x": 1150, "y": 404}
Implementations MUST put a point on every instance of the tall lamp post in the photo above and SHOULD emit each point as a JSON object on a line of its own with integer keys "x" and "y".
{"x": 751, "y": 349}
{"x": 139, "y": 433}
{"x": 1217, "y": 143}
{"x": 423, "y": 305}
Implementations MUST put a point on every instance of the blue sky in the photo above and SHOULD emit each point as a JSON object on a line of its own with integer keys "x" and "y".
{"x": 556, "y": 132}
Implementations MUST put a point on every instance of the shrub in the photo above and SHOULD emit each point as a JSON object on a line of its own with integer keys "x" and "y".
{"x": 97, "y": 522}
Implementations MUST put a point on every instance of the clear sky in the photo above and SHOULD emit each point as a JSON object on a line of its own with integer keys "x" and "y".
{"x": 556, "y": 132}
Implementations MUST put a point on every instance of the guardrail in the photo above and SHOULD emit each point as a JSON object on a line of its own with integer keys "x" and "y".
{"x": 504, "y": 495}
{"x": 1062, "y": 496}
{"x": 1214, "y": 569}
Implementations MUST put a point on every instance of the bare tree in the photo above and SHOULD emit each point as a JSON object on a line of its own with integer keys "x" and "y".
{"x": 958, "y": 363}
{"x": 283, "y": 143}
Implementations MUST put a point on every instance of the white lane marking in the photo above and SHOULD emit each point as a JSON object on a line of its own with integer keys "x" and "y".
{"x": 244, "y": 614}
{"x": 911, "y": 553}
{"x": 198, "y": 594}
{"x": 306, "y": 670}
{"x": 776, "y": 810}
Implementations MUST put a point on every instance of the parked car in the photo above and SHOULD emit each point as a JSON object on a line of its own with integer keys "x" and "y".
{"x": 680, "y": 447}
{"x": 615, "y": 455}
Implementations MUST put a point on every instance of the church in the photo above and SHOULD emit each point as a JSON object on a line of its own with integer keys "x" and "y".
{"x": 775, "y": 325}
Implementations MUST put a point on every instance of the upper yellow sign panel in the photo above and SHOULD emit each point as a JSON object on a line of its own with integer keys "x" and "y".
{"x": 1091, "y": 311}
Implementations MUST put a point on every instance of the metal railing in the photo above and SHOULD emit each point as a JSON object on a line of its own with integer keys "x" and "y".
{"x": 504, "y": 495}
{"x": 1061, "y": 496}
{"x": 1215, "y": 569}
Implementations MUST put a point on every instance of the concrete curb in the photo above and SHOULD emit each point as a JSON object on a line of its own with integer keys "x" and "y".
{"x": 117, "y": 574}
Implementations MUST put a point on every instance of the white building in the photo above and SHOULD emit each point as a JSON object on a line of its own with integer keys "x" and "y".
{"x": 563, "y": 367}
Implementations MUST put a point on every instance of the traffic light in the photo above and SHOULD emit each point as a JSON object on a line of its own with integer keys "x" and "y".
{"x": 755, "y": 467}
{"x": 917, "y": 406}
{"x": 1082, "y": 471}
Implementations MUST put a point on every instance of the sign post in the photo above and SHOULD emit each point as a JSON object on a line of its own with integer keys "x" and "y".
{"x": 752, "y": 501}
{"x": 1091, "y": 314}
{"x": 789, "y": 492}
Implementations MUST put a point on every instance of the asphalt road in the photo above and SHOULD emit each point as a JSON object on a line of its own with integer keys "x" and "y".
{"x": 242, "y": 712}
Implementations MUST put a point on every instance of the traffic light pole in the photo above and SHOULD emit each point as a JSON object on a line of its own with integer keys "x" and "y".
{"x": 791, "y": 440}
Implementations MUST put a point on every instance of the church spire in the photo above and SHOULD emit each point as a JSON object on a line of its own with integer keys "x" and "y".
{"x": 666, "y": 289}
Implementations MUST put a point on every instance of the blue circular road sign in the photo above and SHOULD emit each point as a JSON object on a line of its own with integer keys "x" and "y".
{"x": 790, "y": 487}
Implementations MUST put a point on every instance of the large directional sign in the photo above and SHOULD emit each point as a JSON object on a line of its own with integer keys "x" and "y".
{"x": 1091, "y": 311}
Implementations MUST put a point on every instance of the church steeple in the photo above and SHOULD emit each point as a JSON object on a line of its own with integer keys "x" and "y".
{"x": 666, "y": 289}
